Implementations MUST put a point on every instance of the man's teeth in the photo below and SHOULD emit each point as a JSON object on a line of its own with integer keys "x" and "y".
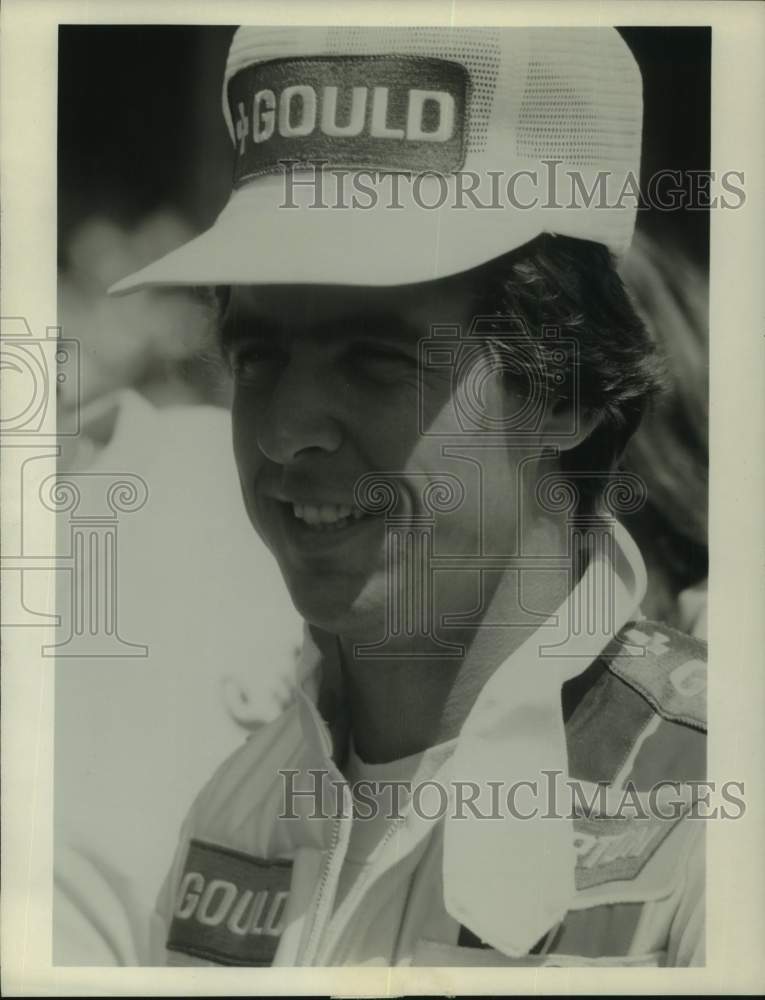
{"x": 325, "y": 514}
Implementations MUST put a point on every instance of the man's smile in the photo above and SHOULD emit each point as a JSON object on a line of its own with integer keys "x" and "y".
{"x": 328, "y": 516}
{"x": 318, "y": 527}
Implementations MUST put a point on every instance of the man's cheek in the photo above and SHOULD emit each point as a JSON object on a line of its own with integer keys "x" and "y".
{"x": 437, "y": 413}
{"x": 244, "y": 438}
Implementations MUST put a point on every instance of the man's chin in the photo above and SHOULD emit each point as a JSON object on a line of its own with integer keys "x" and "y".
{"x": 354, "y": 615}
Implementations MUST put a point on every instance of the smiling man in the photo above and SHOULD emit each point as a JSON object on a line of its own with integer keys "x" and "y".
{"x": 491, "y": 759}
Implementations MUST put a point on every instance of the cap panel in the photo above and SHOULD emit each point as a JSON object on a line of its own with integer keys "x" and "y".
{"x": 582, "y": 100}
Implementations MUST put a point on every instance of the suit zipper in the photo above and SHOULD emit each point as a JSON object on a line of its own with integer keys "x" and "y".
{"x": 362, "y": 886}
{"x": 334, "y": 857}
{"x": 366, "y": 879}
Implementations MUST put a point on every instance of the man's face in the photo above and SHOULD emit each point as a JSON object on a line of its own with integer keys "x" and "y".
{"x": 329, "y": 387}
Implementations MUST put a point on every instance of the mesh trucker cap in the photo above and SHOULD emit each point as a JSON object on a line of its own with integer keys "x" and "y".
{"x": 451, "y": 114}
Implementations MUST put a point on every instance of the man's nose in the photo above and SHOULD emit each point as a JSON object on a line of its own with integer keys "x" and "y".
{"x": 299, "y": 415}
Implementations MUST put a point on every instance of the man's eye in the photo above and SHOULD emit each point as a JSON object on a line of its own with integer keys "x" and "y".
{"x": 379, "y": 359}
{"x": 253, "y": 361}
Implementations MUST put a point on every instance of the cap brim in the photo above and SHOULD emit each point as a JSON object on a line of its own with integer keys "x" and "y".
{"x": 257, "y": 239}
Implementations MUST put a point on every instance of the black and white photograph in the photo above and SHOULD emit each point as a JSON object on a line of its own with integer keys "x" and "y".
{"x": 360, "y": 521}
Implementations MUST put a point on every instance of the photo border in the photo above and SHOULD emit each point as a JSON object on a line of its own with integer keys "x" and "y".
{"x": 736, "y": 870}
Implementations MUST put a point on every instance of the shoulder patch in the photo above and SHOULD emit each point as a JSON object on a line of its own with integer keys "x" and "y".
{"x": 666, "y": 667}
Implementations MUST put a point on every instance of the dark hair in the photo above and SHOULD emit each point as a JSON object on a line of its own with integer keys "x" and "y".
{"x": 572, "y": 287}
{"x": 671, "y": 449}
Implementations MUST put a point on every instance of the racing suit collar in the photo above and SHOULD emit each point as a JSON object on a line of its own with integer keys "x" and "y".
{"x": 511, "y": 880}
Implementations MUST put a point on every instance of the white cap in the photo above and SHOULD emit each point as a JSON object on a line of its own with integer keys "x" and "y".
{"x": 499, "y": 112}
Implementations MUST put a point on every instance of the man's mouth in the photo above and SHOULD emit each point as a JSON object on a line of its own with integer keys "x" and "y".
{"x": 326, "y": 516}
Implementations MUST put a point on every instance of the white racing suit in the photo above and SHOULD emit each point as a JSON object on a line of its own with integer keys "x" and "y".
{"x": 254, "y": 879}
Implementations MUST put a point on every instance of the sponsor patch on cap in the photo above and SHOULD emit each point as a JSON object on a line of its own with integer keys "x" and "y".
{"x": 388, "y": 113}
{"x": 229, "y": 906}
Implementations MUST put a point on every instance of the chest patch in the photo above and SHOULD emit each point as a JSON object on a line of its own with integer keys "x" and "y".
{"x": 229, "y": 906}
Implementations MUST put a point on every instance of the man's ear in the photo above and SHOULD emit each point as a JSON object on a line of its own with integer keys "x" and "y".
{"x": 566, "y": 426}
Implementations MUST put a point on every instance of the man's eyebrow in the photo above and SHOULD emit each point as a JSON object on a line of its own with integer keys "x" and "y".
{"x": 385, "y": 326}
{"x": 235, "y": 327}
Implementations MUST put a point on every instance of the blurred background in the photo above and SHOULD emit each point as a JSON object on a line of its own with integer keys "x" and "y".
{"x": 144, "y": 164}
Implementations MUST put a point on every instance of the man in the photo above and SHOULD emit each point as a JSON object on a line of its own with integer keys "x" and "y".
{"x": 436, "y": 369}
